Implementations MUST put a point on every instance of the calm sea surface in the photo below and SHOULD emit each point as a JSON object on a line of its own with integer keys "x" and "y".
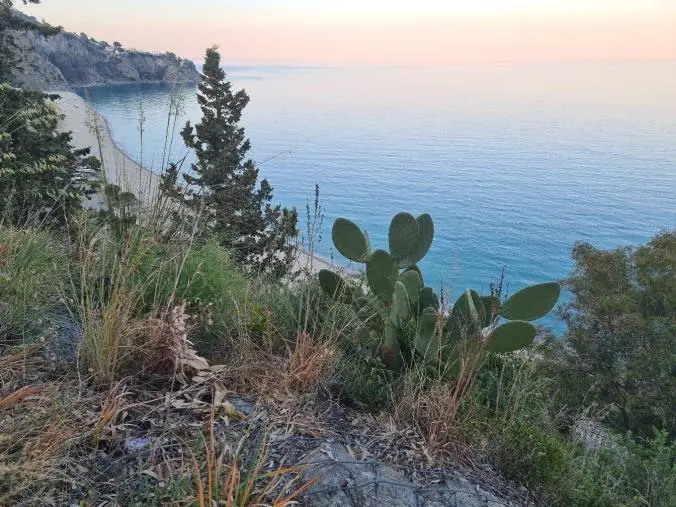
{"x": 515, "y": 164}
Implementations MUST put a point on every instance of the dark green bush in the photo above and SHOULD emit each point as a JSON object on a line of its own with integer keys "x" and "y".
{"x": 43, "y": 179}
{"x": 626, "y": 472}
{"x": 650, "y": 469}
{"x": 535, "y": 457}
{"x": 620, "y": 348}
{"x": 206, "y": 278}
{"x": 363, "y": 382}
{"x": 530, "y": 444}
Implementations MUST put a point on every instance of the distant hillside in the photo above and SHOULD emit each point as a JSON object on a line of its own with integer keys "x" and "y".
{"x": 69, "y": 60}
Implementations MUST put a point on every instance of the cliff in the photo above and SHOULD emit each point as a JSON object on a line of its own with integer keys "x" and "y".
{"x": 68, "y": 60}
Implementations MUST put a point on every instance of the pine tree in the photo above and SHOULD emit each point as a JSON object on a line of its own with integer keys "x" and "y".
{"x": 223, "y": 185}
{"x": 43, "y": 179}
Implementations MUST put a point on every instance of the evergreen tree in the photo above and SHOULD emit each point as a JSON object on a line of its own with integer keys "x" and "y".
{"x": 223, "y": 185}
{"x": 42, "y": 178}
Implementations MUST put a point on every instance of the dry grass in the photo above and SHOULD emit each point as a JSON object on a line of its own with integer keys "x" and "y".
{"x": 106, "y": 303}
{"x": 41, "y": 427}
{"x": 121, "y": 334}
{"x": 18, "y": 396}
{"x": 230, "y": 478}
{"x": 52, "y": 442}
{"x": 433, "y": 407}
{"x": 113, "y": 405}
{"x": 304, "y": 369}
{"x": 308, "y": 365}
{"x": 166, "y": 349}
{"x": 56, "y": 438}
{"x": 14, "y": 366}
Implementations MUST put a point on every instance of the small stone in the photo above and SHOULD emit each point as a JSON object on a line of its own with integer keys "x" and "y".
{"x": 243, "y": 406}
{"x": 137, "y": 444}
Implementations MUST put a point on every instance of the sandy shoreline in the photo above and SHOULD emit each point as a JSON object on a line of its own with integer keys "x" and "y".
{"x": 84, "y": 123}
{"x": 119, "y": 168}
{"x": 314, "y": 263}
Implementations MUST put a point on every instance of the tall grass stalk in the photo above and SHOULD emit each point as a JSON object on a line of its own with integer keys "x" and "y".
{"x": 108, "y": 295}
{"x": 32, "y": 282}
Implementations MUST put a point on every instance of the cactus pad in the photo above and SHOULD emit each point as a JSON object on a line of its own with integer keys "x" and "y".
{"x": 531, "y": 302}
{"x": 381, "y": 273}
{"x": 427, "y": 342}
{"x": 464, "y": 312}
{"x": 490, "y": 306}
{"x": 349, "y": 240}
{"x": 403, "y": 237}
{"x": 428, "y": 299}
{"x": 425, "y": 237}
{"x": 511, "y": 336}
{"x": 400, "y": 304}
{"x": 413, "y": 283}
{"x": 335, "y": 286}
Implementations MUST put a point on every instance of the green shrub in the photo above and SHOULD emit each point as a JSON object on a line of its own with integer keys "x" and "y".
{"x": 108, "y": 290}
{"x": 268, "y": 313}
{"x": 626, "y": 472}
{"x": 33, "y": 275}
{"x": 127, "y": 277}
{"x": 279, "y": 311}
{"x": 619, "y": 350}
{"x": 205, "y": 277}
{"x": 650, "y": 469}
{"x": 320, "y": 315}
{"x": 535, "y": 457}
{"x": 43, "y": 179}
{"x": 363, "y": 382}
{"x": 508, "y": 388}
{"x": 509, "y": 407}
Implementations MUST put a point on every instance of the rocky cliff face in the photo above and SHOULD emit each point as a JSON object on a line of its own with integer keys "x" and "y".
{"x": 69, "y": 60}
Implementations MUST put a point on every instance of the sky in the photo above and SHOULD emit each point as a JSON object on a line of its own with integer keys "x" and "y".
{"x": 380, "y": 32}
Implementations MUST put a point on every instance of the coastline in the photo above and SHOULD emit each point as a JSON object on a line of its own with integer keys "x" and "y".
{"x": 121, "y": 83}
{"x": 90, "y": 130}
{"x": 85, "y": 123}
{"x": 313, "y": 263}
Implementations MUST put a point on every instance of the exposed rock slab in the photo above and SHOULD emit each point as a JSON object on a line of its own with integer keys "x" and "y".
{"x": 341, "y": 480}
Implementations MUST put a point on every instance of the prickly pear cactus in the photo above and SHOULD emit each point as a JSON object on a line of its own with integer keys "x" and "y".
{"x": 532, "y": 302}
{"x": 394, "y": 278}
{"x": 410, "y": 238}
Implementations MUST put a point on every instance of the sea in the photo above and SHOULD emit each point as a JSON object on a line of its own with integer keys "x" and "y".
{"x": 514, "y": 163}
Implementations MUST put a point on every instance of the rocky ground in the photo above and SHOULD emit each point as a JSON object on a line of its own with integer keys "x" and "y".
{"x": 126, "y": 444}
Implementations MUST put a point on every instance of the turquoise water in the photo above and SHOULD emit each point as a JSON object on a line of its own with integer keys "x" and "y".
{"x": 515, "y": 164}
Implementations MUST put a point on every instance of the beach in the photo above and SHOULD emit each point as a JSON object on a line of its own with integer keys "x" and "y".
{"x": 313, "y": 263}
{"x": 90, "y": 130}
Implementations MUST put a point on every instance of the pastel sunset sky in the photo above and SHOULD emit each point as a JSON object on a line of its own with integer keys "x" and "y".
{"x": 380, "y": 32}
